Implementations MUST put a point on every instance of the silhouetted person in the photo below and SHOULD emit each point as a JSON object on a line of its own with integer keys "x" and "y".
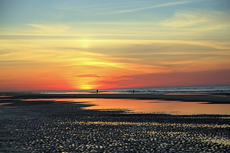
{"x": 133, "y": 91}
{"x": 97, "y": 91}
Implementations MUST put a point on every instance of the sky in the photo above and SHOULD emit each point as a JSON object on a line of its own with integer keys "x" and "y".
{"x": 101, "y": 44}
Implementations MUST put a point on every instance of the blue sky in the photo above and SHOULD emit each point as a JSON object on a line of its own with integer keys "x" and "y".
{"x": 97, "y": 18}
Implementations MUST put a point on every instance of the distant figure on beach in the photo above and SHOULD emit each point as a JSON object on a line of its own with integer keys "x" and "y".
{"x": 97, "y": 91}
{"x": 133, "y": 91}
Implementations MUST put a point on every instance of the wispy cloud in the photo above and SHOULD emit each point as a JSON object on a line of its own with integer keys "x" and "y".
{"x": 102, "y": 9}
{"x": 104, "y": 5}
{"x": 205, "y": 19}
{"x": 40, "y": 28}
{"x": 172, "y": 4}
{"x": 149, "y": 7}
{"x": 155, "y": 6}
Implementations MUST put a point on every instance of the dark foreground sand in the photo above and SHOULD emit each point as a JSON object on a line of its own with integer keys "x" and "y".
{"x": 66, "y": 127}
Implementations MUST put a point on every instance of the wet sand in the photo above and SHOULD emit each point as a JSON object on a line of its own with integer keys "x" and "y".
{"x": 48, "y": 126}
{"x": 211, "y": 98}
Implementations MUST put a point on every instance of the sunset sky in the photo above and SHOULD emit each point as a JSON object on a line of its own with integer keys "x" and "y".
{"x": 103, "y": 44}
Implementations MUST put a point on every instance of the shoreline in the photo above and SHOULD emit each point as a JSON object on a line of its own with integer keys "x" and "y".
{"x": 210, "y": 98}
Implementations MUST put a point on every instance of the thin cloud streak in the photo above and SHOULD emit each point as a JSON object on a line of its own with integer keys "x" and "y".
{"x": 199, "y": 19}
{"x": 146, "y": 8}
{"x": 40, "y": 28}
{"x": 96, "y": 6}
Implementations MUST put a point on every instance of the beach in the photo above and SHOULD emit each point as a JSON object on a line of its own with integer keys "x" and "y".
{"x": 50, "y": 126}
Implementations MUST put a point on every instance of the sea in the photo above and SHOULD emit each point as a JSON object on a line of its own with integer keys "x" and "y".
{"x": 151, "y": 90}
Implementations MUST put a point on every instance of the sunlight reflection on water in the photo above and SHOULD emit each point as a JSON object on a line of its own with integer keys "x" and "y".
{"x": 149, "y": 106}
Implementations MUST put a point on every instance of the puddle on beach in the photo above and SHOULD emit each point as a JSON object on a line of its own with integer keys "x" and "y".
{"x": 2, "y": 104}
{"x": 149, "y": 106}
{"x": 160, "y": 106}
{"x": 5, "y": 96}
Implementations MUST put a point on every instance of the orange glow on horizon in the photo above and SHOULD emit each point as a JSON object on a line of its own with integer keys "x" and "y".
{"x": 50, "y": 69}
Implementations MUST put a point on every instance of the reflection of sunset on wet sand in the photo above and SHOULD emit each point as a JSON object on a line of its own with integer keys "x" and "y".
{"x": 143, "y": 106}
{"x": 153, "y": 106}
{"x": 159, "y": 106}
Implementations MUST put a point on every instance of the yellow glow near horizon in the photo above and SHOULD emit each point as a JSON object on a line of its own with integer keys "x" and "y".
{"x": 84, "y": 83}
{"x": 86, "y": 87}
